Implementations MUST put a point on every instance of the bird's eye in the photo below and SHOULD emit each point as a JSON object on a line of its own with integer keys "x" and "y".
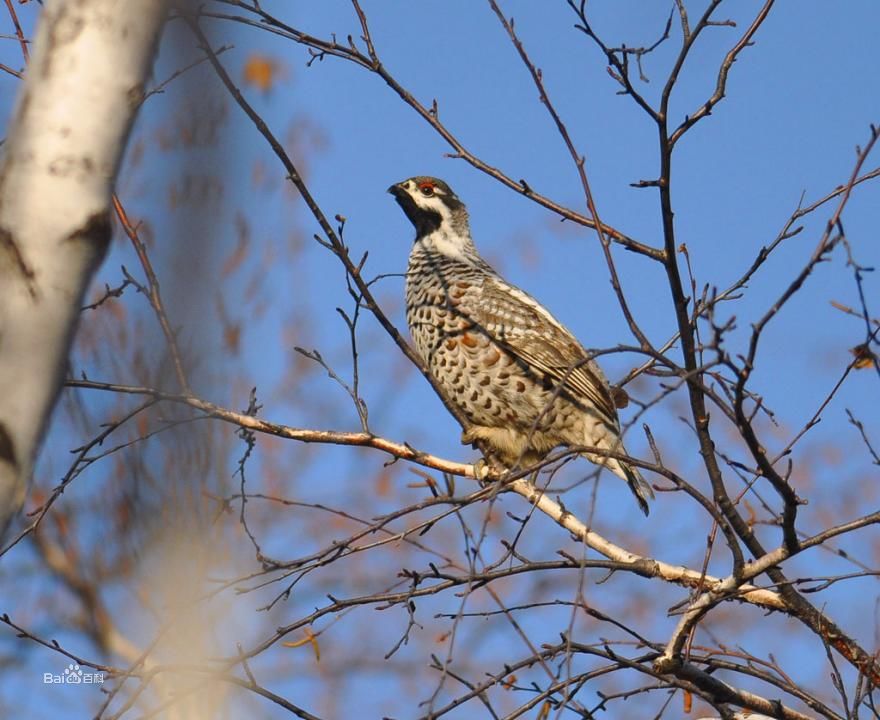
{"x": 427, "y": 190}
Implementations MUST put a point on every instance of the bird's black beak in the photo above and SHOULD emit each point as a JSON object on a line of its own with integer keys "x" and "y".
{"x": 407, "y": 204}
{"x": 404, "y": 199}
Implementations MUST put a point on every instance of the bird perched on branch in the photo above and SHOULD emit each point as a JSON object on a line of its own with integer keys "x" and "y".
{"x": 522, "y": 380}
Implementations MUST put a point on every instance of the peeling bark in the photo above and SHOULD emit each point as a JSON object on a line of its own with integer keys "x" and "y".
{"x": 75, "y": 110}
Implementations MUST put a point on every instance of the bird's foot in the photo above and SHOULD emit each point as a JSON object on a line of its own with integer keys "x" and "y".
{"x": 481, "y": 469}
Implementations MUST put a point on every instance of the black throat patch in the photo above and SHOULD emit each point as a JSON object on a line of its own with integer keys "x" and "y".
{"x": 425, "y": 221}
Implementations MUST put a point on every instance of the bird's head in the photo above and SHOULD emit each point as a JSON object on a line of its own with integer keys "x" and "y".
{"x": 431, "y": 205}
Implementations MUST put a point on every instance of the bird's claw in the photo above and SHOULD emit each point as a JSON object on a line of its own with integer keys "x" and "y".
{"x": 481, "y": 469}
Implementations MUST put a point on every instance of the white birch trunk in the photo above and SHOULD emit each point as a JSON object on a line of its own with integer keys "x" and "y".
{"x": 64, "y": 144}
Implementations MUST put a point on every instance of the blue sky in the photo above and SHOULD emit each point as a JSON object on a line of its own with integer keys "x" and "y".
{"x": 798, "y": 103}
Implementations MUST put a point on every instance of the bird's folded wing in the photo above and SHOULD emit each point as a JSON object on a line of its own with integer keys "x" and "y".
{"x": 520, "y": 325}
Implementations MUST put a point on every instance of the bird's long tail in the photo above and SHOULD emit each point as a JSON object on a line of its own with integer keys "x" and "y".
{"x": 639, "y": 486}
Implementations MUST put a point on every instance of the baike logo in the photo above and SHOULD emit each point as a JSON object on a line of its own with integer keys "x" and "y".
{"x": 73, "y": 675}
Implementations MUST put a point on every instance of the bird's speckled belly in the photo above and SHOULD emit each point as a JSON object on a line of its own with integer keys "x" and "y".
{"x": 488, "y": 383}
